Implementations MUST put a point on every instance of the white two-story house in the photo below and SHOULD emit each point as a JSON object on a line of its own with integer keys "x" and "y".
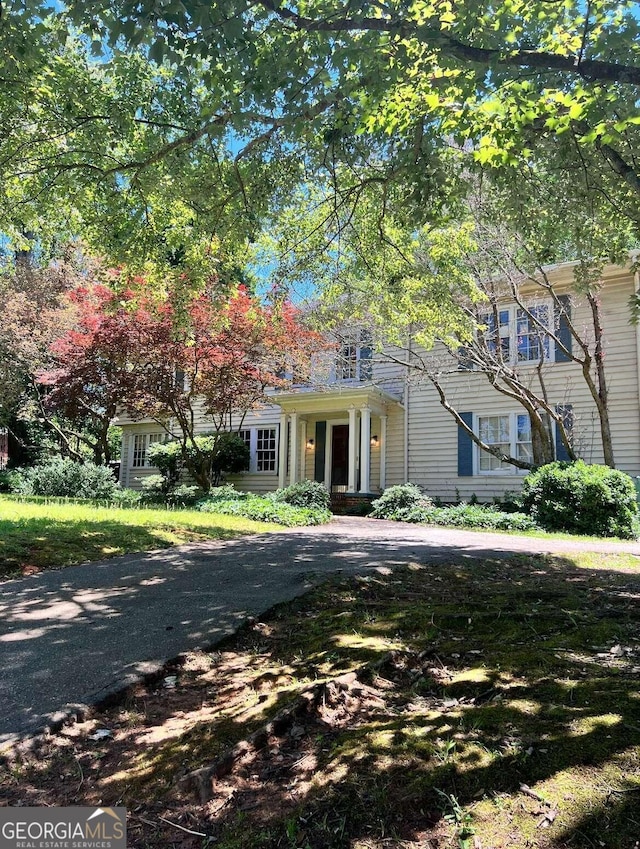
{"x": 371, "y": 421}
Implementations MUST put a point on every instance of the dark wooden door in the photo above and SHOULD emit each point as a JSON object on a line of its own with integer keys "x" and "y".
{"x": 340, "y": 455}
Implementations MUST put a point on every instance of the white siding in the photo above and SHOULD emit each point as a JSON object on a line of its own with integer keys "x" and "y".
{"x": 432, "y": 460}
{"x": 433, "y": 433}
{"x": 258, "y": 481}
{"x": 131, "y": 476}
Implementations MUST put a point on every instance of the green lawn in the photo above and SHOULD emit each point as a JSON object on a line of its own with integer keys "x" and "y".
{"x": 41, "y": 536}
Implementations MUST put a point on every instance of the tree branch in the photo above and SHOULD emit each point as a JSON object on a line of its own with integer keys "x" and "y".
{"x": 434, "y": 36}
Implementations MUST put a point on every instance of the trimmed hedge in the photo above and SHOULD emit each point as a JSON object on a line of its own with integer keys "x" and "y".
{"x": 581, "y": 498}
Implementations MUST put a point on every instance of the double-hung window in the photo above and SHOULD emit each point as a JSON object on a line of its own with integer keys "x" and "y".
{"x": 354, "y": 361}
{"x": 518, "y": 335}
{"x": 532, "y": 334}
{"x": 498, "y": 333}
{"x": 245, "y": 436}
{"x": 511, "y": 434}
{"x": 266, "y": 449}
{"x": 262, "y": 443}
{"x": 141, "y": 444}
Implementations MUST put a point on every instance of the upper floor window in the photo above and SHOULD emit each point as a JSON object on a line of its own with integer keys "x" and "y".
{"x": 354, "y": 361}
{"x": 520, "y": 335}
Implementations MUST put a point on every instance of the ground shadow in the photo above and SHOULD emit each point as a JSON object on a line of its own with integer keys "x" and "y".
{"x": 502, "y": 672}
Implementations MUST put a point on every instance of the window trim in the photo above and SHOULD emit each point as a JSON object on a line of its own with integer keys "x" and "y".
{"x": 512, "y": 471}
{"x": 253, "y": 449}
{"x": 513, "y": 308}
{"x": 354, "y": 339}
{"x": 146, "y": 436}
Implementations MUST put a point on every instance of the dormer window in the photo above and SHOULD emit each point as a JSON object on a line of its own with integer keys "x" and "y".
{"x": 354, "y": 361}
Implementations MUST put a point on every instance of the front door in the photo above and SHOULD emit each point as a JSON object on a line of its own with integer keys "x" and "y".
{"x": 339, "y": 457}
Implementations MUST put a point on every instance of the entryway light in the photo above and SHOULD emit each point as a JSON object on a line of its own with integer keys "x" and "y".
{"x": 374, "y": 440}
{"x": 309, "y": 444}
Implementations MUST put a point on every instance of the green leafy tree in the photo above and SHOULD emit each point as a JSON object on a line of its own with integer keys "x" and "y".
{"x": 444, "y": 287}
{"x": 200, "y": 119}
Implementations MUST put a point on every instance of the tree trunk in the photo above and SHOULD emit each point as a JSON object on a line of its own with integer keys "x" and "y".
{"x": 602, "y": 396}
{"x": 541, "y": 442}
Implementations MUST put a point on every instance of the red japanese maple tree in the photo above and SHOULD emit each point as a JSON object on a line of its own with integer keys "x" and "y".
{"x": 175, "y": 359}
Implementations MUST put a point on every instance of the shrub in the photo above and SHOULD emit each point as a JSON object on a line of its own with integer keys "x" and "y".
{"x": 466, "y": 516}
{"x": 7, "y": 478}
{"x": 582, "y": 498}
{"x": 509, "y": 502}
{"x": 305, "y": 494}
{"x": 152, "y": 487}
{"x": 226, "y": 492}
{"x": 397, "y": 501}
{"x": 184, "y": 495}
{"x": 154, "y": 491}
{"x": 207, "y": 459}
{"x": 167, "y": 458}
{"x": 127, "y": 497}
{"x": 264, "y": 509}
{"x": 476, "y": 516}
{"x": 214, "y": 455}
{"x": 67, "y": 479}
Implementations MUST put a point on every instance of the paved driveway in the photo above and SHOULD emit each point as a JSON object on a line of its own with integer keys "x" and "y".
{"x": 78, "y": 634}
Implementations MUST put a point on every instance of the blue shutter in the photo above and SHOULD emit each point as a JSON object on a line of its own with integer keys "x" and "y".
{"x": 566, "y": 411}
{"x": 465, "y": 448}
{"x": 321, "y": 447}
{"x": 562, "y": 317}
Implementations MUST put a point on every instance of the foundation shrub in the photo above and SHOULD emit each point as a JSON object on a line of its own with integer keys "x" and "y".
{"x": 397, "y": 502}
{"x": 582, "y": 498}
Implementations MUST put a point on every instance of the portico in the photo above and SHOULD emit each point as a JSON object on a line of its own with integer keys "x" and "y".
{"x": 337, "y": 437}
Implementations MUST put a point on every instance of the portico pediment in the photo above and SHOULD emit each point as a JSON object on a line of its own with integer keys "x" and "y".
{"x": 335, "y": 400}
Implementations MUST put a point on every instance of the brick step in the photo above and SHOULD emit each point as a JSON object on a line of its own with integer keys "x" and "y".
{"x": 351, "y": 504}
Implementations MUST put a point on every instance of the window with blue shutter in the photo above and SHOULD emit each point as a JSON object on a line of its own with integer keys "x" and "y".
{"x": 465, "y": 448}
{"x": 566, "y": 411}
{"x": 562, "y": 319}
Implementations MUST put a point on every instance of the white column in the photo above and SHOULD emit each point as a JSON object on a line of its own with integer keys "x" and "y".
{"x": 351, "y": 481}
{"x": 383, "y": 452}
{"x": 303, "y": 449}
{"x": 282, "y": 452}
{"x": 294, "y": 449}
{"x": 365, "y": 449}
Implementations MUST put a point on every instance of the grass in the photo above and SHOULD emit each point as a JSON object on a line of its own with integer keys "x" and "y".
{"x": 537, "y": 533}
{"x": 497, "y": 704}
{"x": 34, "y": 537}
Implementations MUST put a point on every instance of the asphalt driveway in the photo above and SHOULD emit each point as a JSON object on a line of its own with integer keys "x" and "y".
{"x": 79, "y": 634}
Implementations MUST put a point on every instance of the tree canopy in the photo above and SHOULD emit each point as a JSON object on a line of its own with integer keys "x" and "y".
{"x": 195, "y": 120}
